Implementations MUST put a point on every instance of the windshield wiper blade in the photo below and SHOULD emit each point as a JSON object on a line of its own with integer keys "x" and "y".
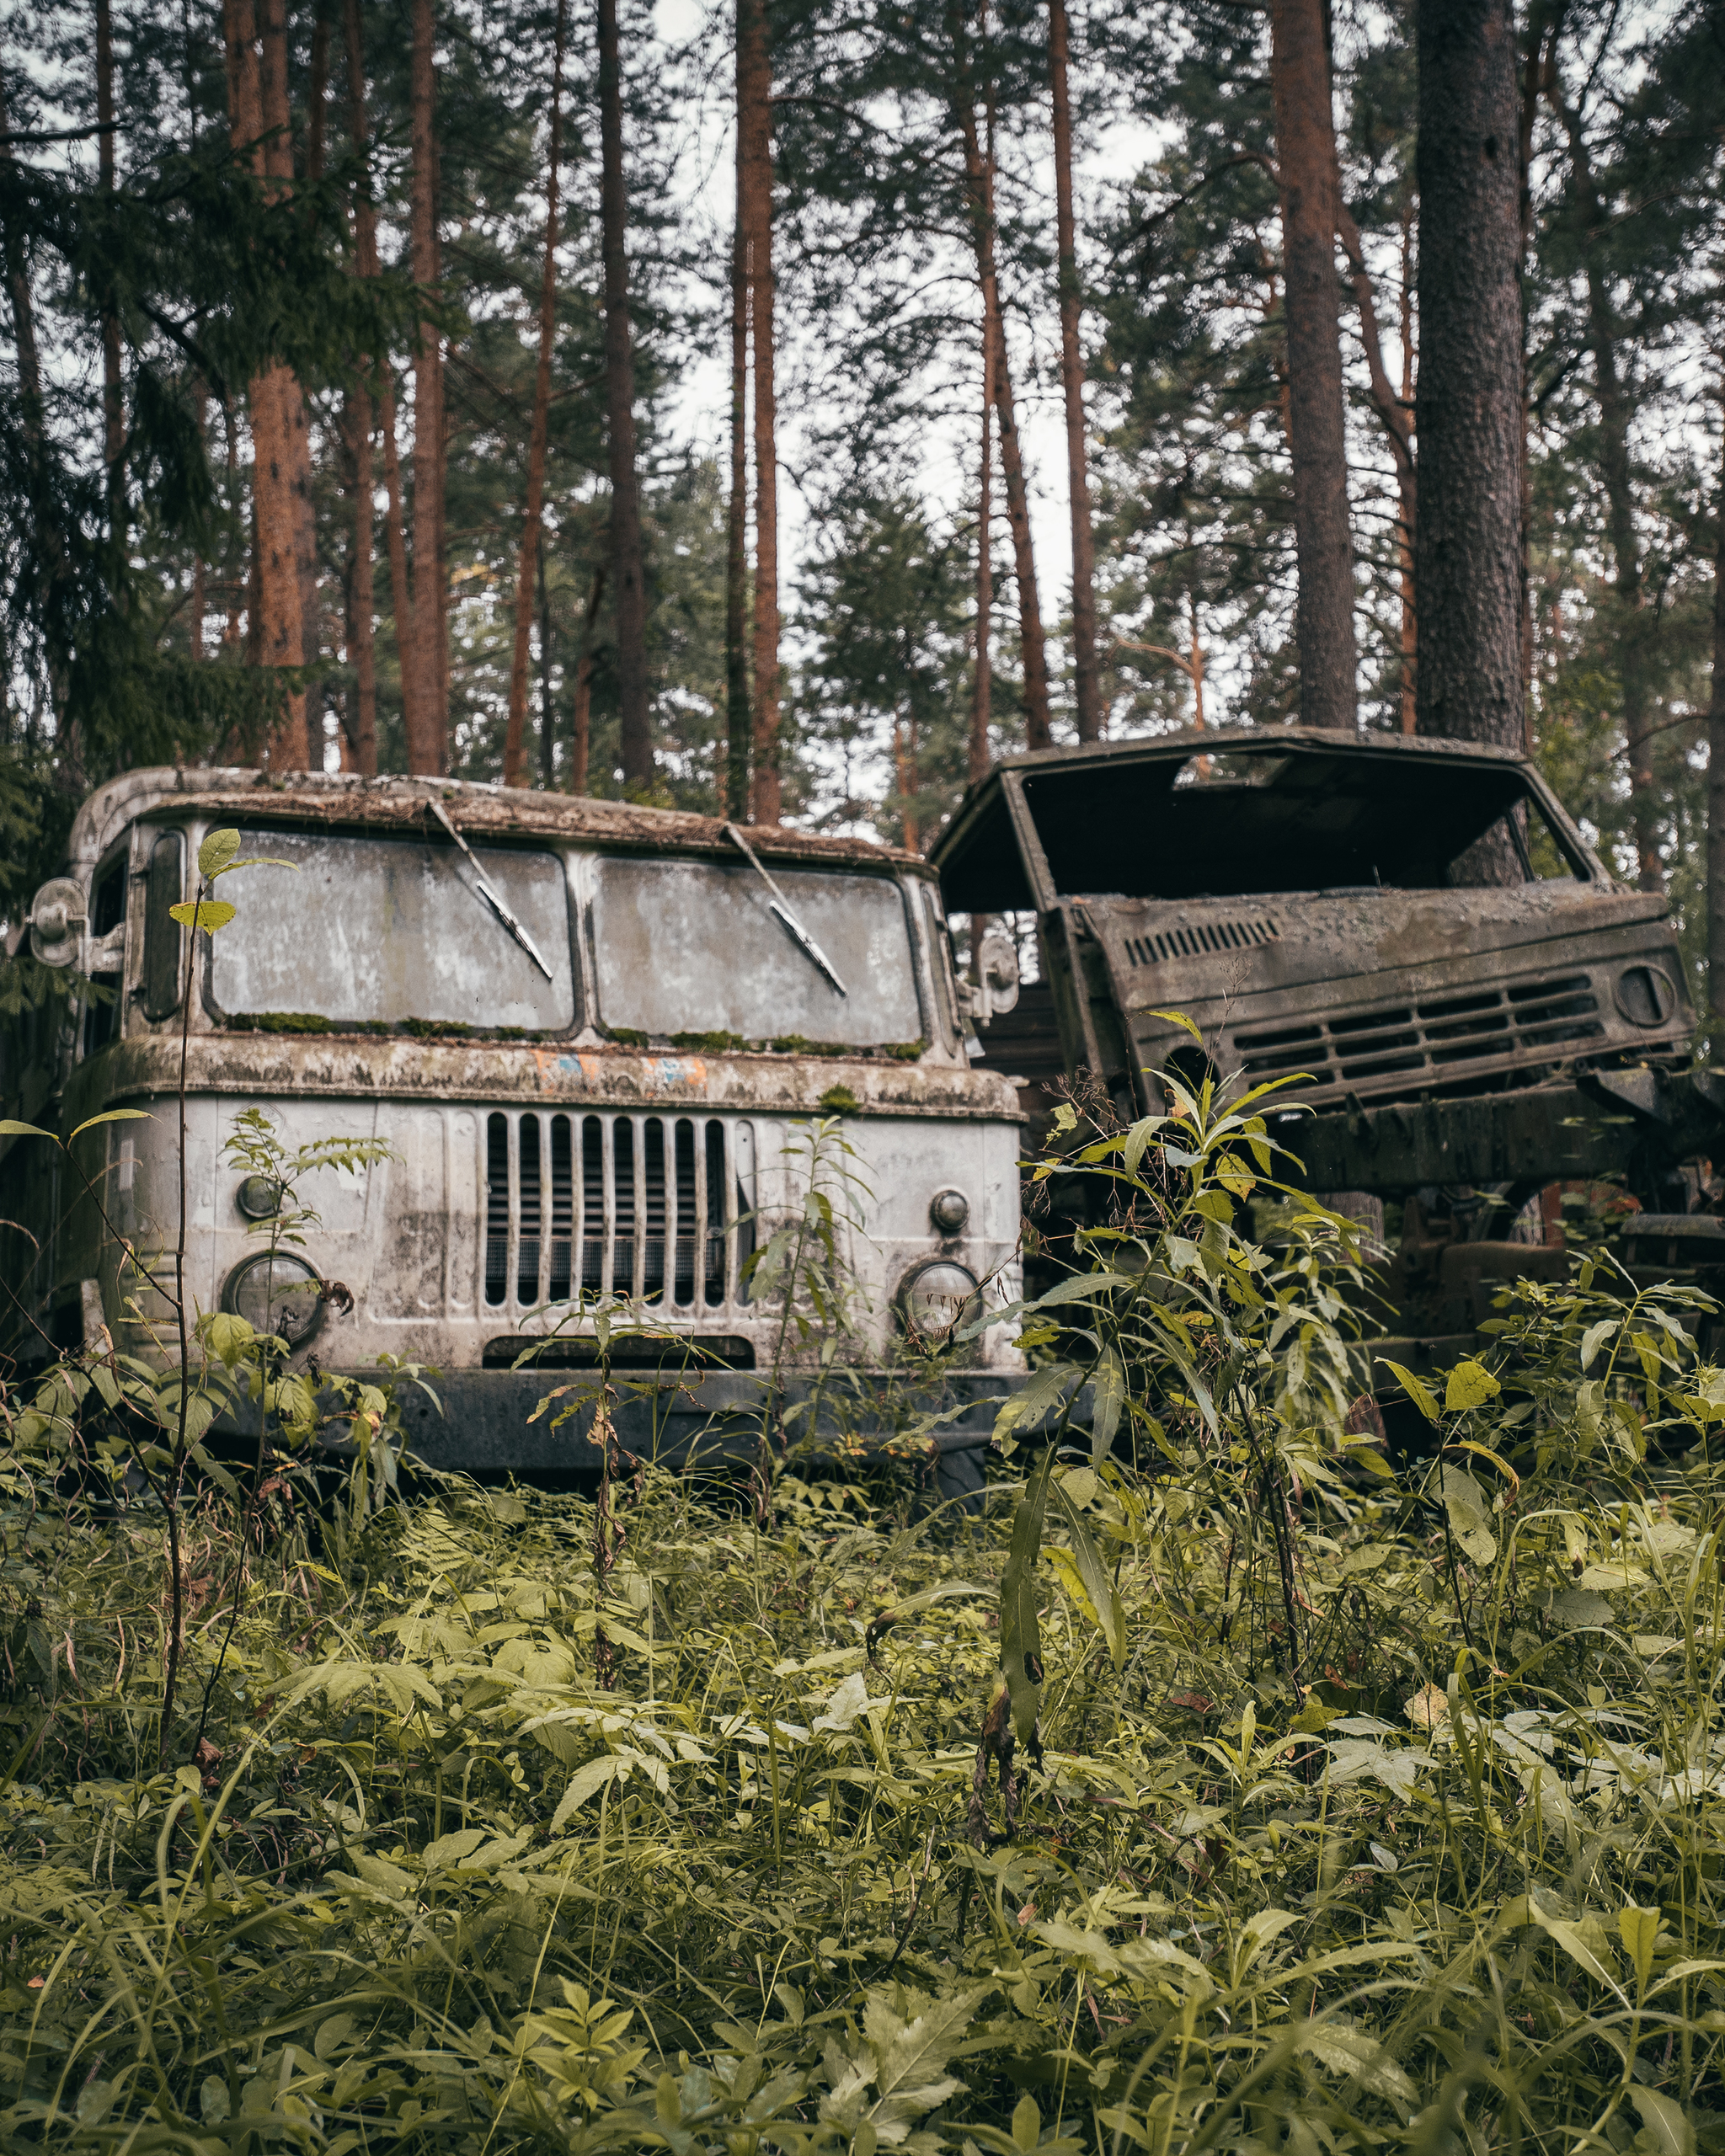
{"x": 488, "y": 893}
{"x": 781, "y": 906}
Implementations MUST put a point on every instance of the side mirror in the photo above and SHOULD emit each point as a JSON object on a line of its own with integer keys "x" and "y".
{"x": 997, "y": 962}
{"x": 59, "y": 915}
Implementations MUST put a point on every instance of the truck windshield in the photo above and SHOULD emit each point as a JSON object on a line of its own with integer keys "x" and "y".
{"x": 690, "y": 946}
{"x": 363, "y": 929}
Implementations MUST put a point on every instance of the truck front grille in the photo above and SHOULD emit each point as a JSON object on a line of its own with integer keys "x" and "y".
{"x": 1405, "y": 1042}
{"x": 641, "y": 1206}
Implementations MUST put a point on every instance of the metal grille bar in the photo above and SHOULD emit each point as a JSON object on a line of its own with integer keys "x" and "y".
{"x": 1428, "y": 1036}
{"x": 641, "y": 1207}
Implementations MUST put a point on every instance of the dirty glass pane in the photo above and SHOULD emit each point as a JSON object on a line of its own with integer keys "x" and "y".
{"x": 690, "y": 946}
{"x": 164, "y": 936}
{"x": 362, "y": 929}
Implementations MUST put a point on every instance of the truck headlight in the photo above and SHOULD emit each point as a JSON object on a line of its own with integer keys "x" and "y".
{"x": 277, "y": 1292}
{"x": 935, "y": 1299}
{"x": 1645, "y": 996}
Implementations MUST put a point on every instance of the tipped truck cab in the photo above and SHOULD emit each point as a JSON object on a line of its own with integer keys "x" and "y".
{"x": 589, "y": 1033}
{"x": 1318, "y": 904}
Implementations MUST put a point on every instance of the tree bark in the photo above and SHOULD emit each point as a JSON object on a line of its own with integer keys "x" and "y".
{"x": 737, "y": 727}
{"x": 755, "y": 151}
{"x": 318, "y": 93}
{"x": 581, "y": 702}
{"x": 1086, "y": 677}
{"x": 424, "y": 710}
{"x": 1305, "y": 158}
{"x": 514, "y": 748}
{"x": 361, "y": 596}
{"x": 1715, "y": 791}
{"x": 1409, "y": 518}
{"x": 1544, "y": 22}
{"x": 257, "y": 102}
{"x": 982, "y": 680}
{"x": 1467, "y": 545}
{"x": 979, "y": 198}
{"x": 548, "y": 710}
{"x": 113, "y": 411}
{"x": 290, "y": 628}
{"x": 627, "y": 569}
{"x": 1616, "y": 472}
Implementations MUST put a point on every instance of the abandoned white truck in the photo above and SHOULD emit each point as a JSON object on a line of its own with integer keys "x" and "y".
{"x": 590, "y": 1034}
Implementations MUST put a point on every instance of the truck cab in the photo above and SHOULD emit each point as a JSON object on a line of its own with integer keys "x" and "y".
{"x": 1384, "y": 918}
{"x": 605, "y": 1105}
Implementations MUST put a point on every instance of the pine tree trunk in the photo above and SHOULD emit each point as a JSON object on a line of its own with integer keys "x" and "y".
{"x": 736, "y": 558}
{"x": 1467, "y": 544}
{"x": 422, "y": 655}
{"x": 628, "y": 566}
{"x": 1542, "y": 27}
{"x": 1397, "y": 418}
{"x": 361, "y": 596}
{"x": 1086, "y": 679}
{"x": 318, "y": 93}
{"x": 581, "y": 702}
{"x": 982, "y": 680}
{"x": 113, "y": 412}
{"x": 1306, "y": 157}
{"x": 979, "y": 189}
{"x": 1615, "y": 472}
{"x": 1407, "y": 506}
{"x": 548, "y": 712}
{"x": 1716, "y": 793}
{"x": 289, "y": 570}
{"x": 755, "y": 150}
{"x": 274, "y": 603}
{"x": 515, "y": 743}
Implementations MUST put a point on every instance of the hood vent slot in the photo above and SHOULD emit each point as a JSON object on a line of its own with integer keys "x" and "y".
{"x": 1195, "y": 939}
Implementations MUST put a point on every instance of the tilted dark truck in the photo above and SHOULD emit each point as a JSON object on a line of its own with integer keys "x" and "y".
{"x": 1314, "y": 903}
{"x": 590, "y": 1034}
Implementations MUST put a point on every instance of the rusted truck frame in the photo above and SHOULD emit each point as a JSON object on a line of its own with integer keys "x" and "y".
{"x": 1314, "y": 904}
{"x": 588, "y": 1151}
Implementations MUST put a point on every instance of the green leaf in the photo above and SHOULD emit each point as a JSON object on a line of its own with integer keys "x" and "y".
{"x": 1664, "y": 2121}
{"x": 1418, "y": 1391}
{"x": 1107, "y": 1392}
{"x": 1047, "y": 1390}
{"x": 11, "y": 1129}
{"x": 1179, "y": 1018}
{"x": 1102, "y": 1596}
{"x": 1021, "y": 1631}
{"x": 1639, "y": 1928}
{"x": 215, "y": 853}
{"x": 1594, "y": 1338}
{"x": 1027, "y": 2125}
{"x": 1469, "y": 1514}
{"x": 1471, "y": 1385}
{"x": 207, "y": 913}
{"x": 113, "y": 1115}
{"x": 584, "y": 1783}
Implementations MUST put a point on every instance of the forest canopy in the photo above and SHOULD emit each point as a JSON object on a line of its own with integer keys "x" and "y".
{"x": 789, "y": 408}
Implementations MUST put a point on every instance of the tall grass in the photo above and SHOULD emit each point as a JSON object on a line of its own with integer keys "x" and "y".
{"x": 433, "y": 1876}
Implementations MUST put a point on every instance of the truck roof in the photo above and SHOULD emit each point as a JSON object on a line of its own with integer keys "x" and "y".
{"x": 242, "y": 795}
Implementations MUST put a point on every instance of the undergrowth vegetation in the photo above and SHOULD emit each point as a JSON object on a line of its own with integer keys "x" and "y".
{"x": 1220, "y": 1782}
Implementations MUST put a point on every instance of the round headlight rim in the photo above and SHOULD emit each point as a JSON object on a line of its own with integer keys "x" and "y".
{"x": 969, "y": 1308}
{"x": 282, "y": 1259}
